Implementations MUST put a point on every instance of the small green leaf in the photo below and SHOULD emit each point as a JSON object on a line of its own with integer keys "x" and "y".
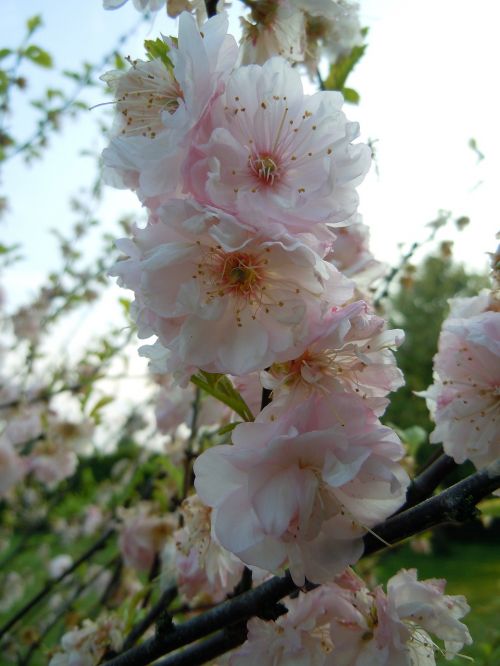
{"x": 220, "y": 387}
{"x": 38, "y": 55}
{"x": 119, "y": 61}
{"x": 125, "y": 303}
{"x": 33, "y": 23}
{"x": 100, "y": 404}
{"x": 157, "y": 48}
{"x": 340, "y": 70}
{"x": 351, "y": 95}
{"x": 4, "y": 53}
{"x": 229, "y": 427}
{"x": 4, "y": 81}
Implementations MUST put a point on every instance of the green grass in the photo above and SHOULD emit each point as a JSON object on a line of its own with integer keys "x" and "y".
{"x": 471, "y": 569}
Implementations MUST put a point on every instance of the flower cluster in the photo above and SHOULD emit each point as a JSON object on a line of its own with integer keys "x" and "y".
{"x": 465, "y": 396}
{"x": 247, "y": 179}
{"x": 35, "y": 439}
{"x": 345, "y": 624}
{"x": 254, "y": 263}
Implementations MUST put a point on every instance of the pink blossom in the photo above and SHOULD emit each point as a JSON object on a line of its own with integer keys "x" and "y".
{"x": 393, "y": 629}
{"x": 349, "y": 351}
{"x": 300, "y": 490}
{"x": 166, "y": 108}
{"x": 278, "y": 154}
{"x": 272, "y": 29}
{"x": 220, "y": 297}
{"x": 51, "y": 461}
{"x": 87, "y": 645}
{"x": 24, "y": 425}
{"x": 465, "y": 396}
{"x": 299, "y": 638}
{"x": 204, "y": 568}
{"x": 351, "y": 254}
{"x": 142, "y": 535}
{"x": 332, "y": 29}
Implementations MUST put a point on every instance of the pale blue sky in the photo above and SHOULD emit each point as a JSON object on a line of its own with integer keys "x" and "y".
{"x": 428, "y": 83}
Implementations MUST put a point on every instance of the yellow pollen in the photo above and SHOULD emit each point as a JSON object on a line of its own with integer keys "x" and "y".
{"x": 265, "y": 168}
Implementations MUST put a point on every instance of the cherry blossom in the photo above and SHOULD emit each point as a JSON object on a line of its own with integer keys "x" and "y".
{"x": 299, "y": 638}
{"x": 159, "y": 105}
{"x": 273, "y": 28}
{"x": 393, "y": 629}
{"x": 87, "y": 645}
{"x": 348, "y": 351}
{"x": 203, "y": 566}
{"x": 300, "y": 490}
{"x": 351, "y": 254}
{"x": 465, "y": 397}
{"x": 142, "y": 534}
{"x": 221, "y": 298}
{"x": 277, "y": 153}
{"x": 332, "y": 29}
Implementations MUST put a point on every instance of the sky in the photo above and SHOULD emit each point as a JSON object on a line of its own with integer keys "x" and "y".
{"x": 428, "y": 84}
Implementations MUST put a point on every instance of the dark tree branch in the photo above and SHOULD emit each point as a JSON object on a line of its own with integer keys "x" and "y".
{"x": 456, "y": 504}
{"x": 160, "y": 607}
{"x": 426, "y": 483}
{"x": 240, "y": 608}
{"x": 220, "y": 643}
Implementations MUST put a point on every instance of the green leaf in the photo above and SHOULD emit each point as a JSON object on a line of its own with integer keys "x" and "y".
{"x": 351, "y": 95}
{"x": 119, "y": 61}
{"x": 38, "y": 55}
{"x": 100, "y": 404}
{"x": 4, "y": 82}
{"x": 220, "y": 387}
{"x": 229, "y": 427}
{"x": 33, "y": 23}
{"x": 156, "y": 48}
{"x": 340, "y": 70}
{"x": 4, "y": 53}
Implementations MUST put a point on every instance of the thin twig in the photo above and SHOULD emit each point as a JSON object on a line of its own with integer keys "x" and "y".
{"x": 140, "y": 628}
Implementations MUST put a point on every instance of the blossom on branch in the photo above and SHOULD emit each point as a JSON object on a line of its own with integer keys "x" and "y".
{"x": 301, "y": 490}
{"x": 465, "y": 397}
{"x": 393, "y": 629}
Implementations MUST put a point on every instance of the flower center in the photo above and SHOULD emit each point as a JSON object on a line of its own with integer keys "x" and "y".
{"x": 240, "y": 275}
{"x": 265, "y": 168}
{"x": 307, "y": 370}
{"x": 144, "y": 93}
